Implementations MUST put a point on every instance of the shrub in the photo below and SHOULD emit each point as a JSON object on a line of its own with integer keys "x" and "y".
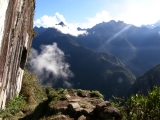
{"x": 96, "y": 93}
{"x": 141, "y": 107}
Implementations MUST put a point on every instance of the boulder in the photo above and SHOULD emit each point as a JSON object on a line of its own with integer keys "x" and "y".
{"x": 16, "y": 33}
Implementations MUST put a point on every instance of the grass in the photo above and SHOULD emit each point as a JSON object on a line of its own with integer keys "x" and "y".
{"x": 16, "y": 105}
{"x": 96, "y": 93}
{"x": 32, "y": 93}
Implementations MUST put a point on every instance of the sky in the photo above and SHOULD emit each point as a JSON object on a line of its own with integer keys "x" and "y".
{"x": 87, "y": 13}
{"x": 84, "y": 14}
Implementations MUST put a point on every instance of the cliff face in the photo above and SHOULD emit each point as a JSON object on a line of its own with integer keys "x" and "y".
{"x": 16, "y": 33}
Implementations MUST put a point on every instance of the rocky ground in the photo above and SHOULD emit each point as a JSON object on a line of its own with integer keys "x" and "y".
{"x": 84, "y": 105}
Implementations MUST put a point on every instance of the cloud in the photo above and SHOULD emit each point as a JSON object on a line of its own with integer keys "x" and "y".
{"x": 61, "y": 18}
{"x": 129, "y": 11}
{"x": 51, "y": 61}
{"x": 71, "y": 28}
{"x": 46, "y": 21}
{"x": 103, "y": 16}
{"x": 139, "y": 12}
{"x": 51, "y": 21}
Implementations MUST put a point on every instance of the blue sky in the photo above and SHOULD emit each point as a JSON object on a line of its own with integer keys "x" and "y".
{"x": 87, "y": 13}
{"x": 74, "y": 10}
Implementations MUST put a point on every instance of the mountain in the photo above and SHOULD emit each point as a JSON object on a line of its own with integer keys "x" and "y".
{"x": 40, "y": 29}
{"x": 146, "y": 81}
{"x": 137, "y": 47}
{"x": 92, "y": 70}
{"x": 157, "y": 24}
{"x": 61, "y": 23}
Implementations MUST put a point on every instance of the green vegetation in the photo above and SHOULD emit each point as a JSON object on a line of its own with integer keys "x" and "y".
{"x": 16, "y": 105}
{"x": 31, "y": 89}
{"x": 55, "y": 95}
{"x": 32, "y": 93}
{"x": 140, "y": 107}
{"x": 37, "y": 102}
{"x": 96, "y": 93}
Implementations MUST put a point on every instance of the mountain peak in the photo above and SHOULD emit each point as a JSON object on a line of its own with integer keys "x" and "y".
{"x": 61, "y": 23}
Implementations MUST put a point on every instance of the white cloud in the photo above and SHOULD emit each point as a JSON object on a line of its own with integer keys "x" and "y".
{"x": 139, "y": 12}
{"x": 51, "y": 21}
{"x": 71, "y": 28}
{"x": 103, "y": 16}
{"x": 50, "y": 61}
{"x": 129, "y": 11}
{"x": 61, "y": 18}
{"x": 46, "y": 21}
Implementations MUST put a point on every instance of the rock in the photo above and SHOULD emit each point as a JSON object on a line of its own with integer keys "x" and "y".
{"x": 61, "y": 109}
{"x": 74, "y": 100}
{"x": 85, "y": 93}
{"x": 60, "y": 117}
{"x": 74, "y": 105}
{"x": 97, "y": 101}
{"x": 78, "y": 109}
{"x": 67, "y": 96}
{"x": 102, "y": 105}
{"x": 105, "y": 110}
{"x": 87, "y": 108}
{"x": 87, "y": 111}
{"x": 111, "y": 110}
{"x": 16, "y": 33}
{"x": 82, "y": 117}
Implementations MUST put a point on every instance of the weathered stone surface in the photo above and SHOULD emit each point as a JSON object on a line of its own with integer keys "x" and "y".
{"x": 16, "y": 32}
{"x": 85, "y": 93}
{"x": 82, "y": 117}
{"x": 103, "y": 104}
{"x": 110, "y": 111}
{"x": 105, "y": 109}
{"x": 60, "y": 117}
{"x": 97, "y": 101}
{"x": 74, "y": 100}
{"x": 86, "y": 108}
{"x": 74, "y": 105}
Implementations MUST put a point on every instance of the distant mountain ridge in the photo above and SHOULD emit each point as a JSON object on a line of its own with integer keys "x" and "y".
{"x": 98, "y": 54}
{"x": 92, "y": 70}
{"x": 137, "y": 47}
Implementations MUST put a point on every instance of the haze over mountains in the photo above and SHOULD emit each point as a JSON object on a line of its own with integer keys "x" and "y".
{"x": 107, "y": 58}
{"x": 157, "y": 24}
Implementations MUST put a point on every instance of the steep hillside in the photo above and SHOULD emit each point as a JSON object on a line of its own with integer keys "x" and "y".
{"x": 137, "y": 47}
{"x": 146, "y": 81}
{"x": 37, "y": 102}
{"x": 92, "y": 70}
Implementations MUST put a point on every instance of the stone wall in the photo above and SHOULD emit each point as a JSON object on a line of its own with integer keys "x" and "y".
{"x": 16, "y": 33}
